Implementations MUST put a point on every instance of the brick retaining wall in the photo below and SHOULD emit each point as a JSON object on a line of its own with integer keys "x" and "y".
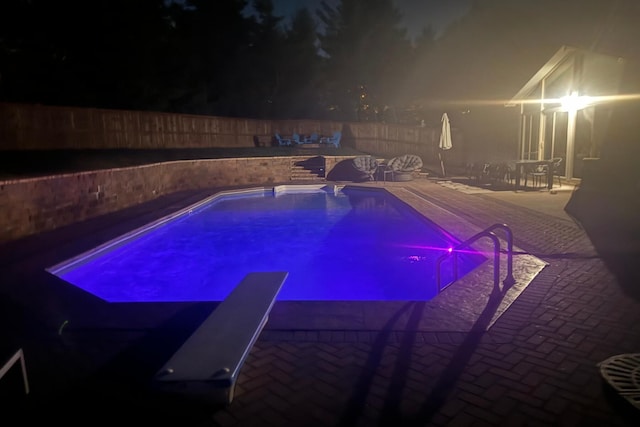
{"x": 35, "y": 205}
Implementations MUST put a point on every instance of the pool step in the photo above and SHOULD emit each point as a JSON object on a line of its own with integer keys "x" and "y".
{"x": 307, "y": 169}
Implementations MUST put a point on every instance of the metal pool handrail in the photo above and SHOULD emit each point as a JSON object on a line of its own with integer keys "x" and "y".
{"x": 488, "y": 232}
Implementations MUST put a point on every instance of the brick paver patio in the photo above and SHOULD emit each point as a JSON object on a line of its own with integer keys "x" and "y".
{"x": 536, "y": 366}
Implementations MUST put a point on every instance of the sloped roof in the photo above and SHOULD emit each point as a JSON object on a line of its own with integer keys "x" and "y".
{"x": 552, "y": 69}
{"x": 548, "y": 68}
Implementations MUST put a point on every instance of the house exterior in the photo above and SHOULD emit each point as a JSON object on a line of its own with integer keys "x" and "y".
{"x": 565, "y": 108}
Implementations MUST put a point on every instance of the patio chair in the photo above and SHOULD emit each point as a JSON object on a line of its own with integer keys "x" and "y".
{"x": 367, "y": 166}
{"x": 283, "y": 141}
{"x": 540, "y": 172}
{"x": 536, "y": 173}
{"x": 296, "y": 139}
{"x": 498, "y": 172}
{"x": 401, "y": 168}
{"x": 557, "y": 168}
{"x": 477, "y": 172}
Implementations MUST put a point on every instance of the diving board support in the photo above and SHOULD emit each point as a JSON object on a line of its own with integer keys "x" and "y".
{"x": 207, "y": 365}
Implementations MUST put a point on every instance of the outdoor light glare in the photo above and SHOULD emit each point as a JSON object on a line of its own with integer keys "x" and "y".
{"x": 574, "y": 102}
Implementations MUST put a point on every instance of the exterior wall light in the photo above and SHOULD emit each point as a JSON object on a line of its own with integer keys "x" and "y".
{"x": 574, "y": 102}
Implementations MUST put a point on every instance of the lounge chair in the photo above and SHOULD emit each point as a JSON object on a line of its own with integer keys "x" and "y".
{"x": 367, "y": 166}
{"x": 313, "y": 138}
{"x": 335, "y": 139}
{"x": 283, "y": 141}
{"x": 296, "y": 139}
{"x": 401, "y": 168}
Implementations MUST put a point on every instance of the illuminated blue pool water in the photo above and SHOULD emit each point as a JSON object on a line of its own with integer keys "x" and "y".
{"x": 354, "y": 244}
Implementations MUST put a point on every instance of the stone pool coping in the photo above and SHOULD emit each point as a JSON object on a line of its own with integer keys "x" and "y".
{"x": 471, "y": 303}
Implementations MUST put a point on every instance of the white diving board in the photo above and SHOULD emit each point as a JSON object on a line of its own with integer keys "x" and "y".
{"x": 207, "y": 364}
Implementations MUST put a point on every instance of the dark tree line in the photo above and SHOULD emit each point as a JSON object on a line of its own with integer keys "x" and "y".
{"x": 351, "y": 61}
{"x": 202, "y": 56}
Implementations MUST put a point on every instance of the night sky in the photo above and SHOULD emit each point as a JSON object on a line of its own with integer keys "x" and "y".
{"x": 417, "y": 13}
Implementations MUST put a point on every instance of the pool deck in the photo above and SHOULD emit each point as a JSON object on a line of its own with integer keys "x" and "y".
{"x": 90, "y": 363}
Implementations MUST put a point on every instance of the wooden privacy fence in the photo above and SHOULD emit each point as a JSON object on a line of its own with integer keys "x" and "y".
{"x": 34, "y": 127}
{"x": 37, "y": 127}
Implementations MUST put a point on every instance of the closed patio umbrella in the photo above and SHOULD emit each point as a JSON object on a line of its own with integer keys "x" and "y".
{"x": 445, "y": 139}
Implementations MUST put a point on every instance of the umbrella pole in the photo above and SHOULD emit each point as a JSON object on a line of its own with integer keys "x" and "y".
{"x": 441, "y": 163}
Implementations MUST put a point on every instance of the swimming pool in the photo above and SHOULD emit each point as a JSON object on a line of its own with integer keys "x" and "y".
{"x": 338, "y": 244}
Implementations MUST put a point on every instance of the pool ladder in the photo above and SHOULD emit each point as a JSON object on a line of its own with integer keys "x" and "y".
{"x": 488, "y": 232}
